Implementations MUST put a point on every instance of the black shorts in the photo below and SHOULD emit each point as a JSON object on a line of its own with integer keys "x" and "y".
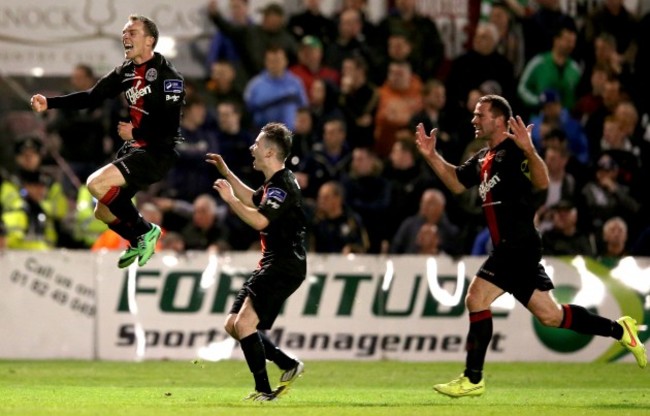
{"x": 141, "y": 167}
{"x": 516, "y": 269}
{"x": 268, "y": 290}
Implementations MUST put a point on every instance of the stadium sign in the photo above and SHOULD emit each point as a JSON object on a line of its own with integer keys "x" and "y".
{"x": 80, "y": 305}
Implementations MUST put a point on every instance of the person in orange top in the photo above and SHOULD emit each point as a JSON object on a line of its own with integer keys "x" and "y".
{"x": 400, "y": 98}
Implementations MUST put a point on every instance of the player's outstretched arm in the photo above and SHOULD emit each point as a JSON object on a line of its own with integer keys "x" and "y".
{"x": 240, "y": 189}
{"x": 443, "y": 169}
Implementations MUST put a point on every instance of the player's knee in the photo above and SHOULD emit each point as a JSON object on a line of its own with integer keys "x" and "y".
{"x": 229, "y": 327}
{"x": 474, "y": 302}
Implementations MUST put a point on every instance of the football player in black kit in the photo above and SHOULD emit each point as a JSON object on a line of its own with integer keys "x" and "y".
{"x": 154, "y": 91}
{"x": 276, "y": 210}
{"x": 507, "y": 172}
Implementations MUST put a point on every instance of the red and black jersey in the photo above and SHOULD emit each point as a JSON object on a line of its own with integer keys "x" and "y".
{"x": 503, "y": 179}
{"x": 283, "y": 240}
{"x": 154, "y": 92}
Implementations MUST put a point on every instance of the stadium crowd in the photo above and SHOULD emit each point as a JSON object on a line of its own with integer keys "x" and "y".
{"x": 352, "y": 91}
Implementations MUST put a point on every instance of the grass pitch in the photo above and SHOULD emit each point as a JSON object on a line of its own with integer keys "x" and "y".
{"x": 327, "y": 388}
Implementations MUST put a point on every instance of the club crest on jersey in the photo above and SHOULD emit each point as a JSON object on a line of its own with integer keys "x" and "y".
{"x": 173, "y": 85}
{"x": 500, "y": 155}
{"x": 135, "y": 92}
{"x": 151, "y": 74}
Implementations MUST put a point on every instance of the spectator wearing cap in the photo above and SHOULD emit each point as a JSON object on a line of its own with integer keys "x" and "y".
{"x": 312, "y": 22}
{"x": 310, "y": 64}
{"x": 564, "y": 238}
{"x": 605, "y": 197}
{"x": 553, "y": 69}
{"x": 553, "y": 115}
{"x": 252, "y": 41}
{"x": 34, "y": 209}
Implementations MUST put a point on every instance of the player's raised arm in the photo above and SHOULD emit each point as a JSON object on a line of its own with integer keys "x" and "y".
{"x": 443, "y": 169}
{"x": 521, "y": 136}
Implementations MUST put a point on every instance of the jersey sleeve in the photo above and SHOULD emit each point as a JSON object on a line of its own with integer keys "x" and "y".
{"x": 467, "y": 173}
{"x": 275, "y": 201}
{"x": 107, "y": 87}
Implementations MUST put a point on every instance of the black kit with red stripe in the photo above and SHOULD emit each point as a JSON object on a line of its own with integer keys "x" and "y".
{"x": 506, "y": 192}
{"x": 154, "y": 91}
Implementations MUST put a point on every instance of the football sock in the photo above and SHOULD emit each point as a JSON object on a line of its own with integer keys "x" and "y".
{"x": 275, "y": 354}
{"x": 579, "y": 319}
{"x": 118, "y": 201}
{"x": 478, "y": 339}
{"x": 254, "y": 353}
{"x": 124, "y": 231}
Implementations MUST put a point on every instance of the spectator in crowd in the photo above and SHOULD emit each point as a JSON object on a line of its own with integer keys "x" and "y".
{"x": 189, "y": 177}
{"x": 422, "y": 32}
{"x": 483, "y": 54}
{"x": 234, "y": 141}
{"x": 368, "y": 193}
{"x": 618, "y": 145}
{"x": 613, "y": 244}
{"x": 275, "y": 94}
{"x": 408, "y": 178}
{"x": 398, "y": 48}
{"x": 304, "y": 138}
{"x": 605, "y": 197}
{"x": 336, "y": 228}
{"x": 369, "y": 30}
{"x": 428, "y": 240}
{"x": 253, "y": 40}
{"x": 542, "y": 72}
{"x": 603, "y": 53}
{"x": 35, "y": 220}
{"x": 311, "y": 21}
{"x": 540, "y": 27}
{"x": 310, "y": 64}
{"x": 223, "y": 85}
{"x": 511, "y": 37}
{"x": 613, "y": 18}
{"x": 554, "y": 116}
{"x": 327, "y": 162}
{"x": 323, "y": 103}
{"x": 206, "y": 231}
{"x": 222, "y": 47}
{"x": 434, "y": 114}
{"x": 590, "y": 98}
{"x": 400, "y": 98}
{"x": 562, "y": 185}
{"x": 564, "y": 238}
{"x": 358, "y": 102}
{"x": 613, "y": 95}
{"x": 82, "y": 132}
{"x": 432, "y": 212}
{"x": 349, "y": 41}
